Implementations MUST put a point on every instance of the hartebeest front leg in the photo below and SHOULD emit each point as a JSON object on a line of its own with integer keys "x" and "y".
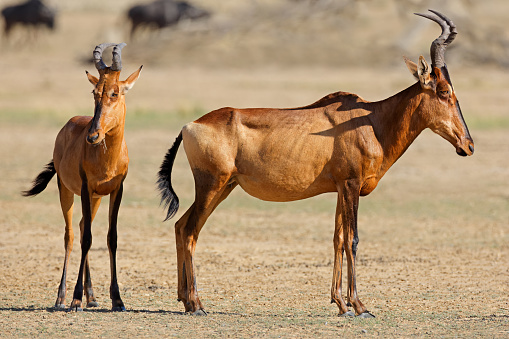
{"x": 349, "y": 200}
{"x": 86, "y": 242}
{"x": 336, "y": 289}
{"x": 115, "y": 199}
{"x": 89, "y": 293}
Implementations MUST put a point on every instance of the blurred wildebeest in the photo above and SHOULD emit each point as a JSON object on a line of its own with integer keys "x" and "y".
{"x": 32, "y": 12}
{"x": 163, "y": 13}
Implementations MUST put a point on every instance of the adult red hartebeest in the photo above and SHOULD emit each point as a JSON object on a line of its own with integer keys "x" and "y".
{"x": 341, "y": 143}
{"x": 90, "y": 160}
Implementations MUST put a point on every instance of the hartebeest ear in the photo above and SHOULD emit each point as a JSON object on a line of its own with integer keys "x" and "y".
{"x": 93, "y": 80}
{"x": 412, "y": 67}
{"x": 424, "y": 73}
{"x": 421, "y": 71}
{"x": 129, "y": 82}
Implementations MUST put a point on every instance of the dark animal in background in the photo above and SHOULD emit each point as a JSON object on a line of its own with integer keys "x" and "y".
{"x": 163, "y": 13}
{"x": 31, "y": 13}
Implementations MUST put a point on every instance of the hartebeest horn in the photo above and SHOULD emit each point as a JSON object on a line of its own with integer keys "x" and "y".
{"x": 439, "y": 45}
{"x": 98, "y": 60}
{"x": 117, "y": 58}
{"x": 98, "y": 53}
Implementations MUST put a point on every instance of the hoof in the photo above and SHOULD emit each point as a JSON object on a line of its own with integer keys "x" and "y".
{"x": 75, "y": 309}
{"x": 118, "y": 309}
{"x": 347, "y": 314}
{"x": 93, "y": 304}
{"x": 199, "y": 312}
{"x": 59, "y": 307}
{"x": 366, "y": 315}
{"x": 75, "y": 306}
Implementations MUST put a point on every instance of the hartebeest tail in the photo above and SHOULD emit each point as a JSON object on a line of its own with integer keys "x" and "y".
{"x": 41, "y": 181}
{"x": 168, "y": 196}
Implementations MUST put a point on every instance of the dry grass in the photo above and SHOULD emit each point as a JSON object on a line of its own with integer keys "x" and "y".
{"x": 433, "y": 256}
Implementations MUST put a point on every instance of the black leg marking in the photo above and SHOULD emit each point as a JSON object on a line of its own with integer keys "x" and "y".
{"x": 117, "y": 304}
{"x": 85, "y": 243}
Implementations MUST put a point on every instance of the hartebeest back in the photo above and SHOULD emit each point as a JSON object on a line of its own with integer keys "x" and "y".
{"x": 341, "y": 143}
{"x": 90, "y": 160}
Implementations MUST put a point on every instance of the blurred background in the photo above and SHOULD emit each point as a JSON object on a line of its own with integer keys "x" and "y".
{"x": 243, "y": 53}
{"x": 434, "y": 234}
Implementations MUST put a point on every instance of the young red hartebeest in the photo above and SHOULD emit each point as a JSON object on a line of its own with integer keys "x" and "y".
{"x": 90, "y": 160}
{"x": 341, "y": 143}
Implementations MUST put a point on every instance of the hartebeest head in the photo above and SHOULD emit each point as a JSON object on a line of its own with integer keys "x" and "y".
{"x": 442, "y": 113}
{"x": 109, "y": 93}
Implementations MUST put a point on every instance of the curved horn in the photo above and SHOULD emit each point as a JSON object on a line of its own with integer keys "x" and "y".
{"x": 439, "y": 45}
{"x": 117, "y": 58}
{"x": 98, "y": 53}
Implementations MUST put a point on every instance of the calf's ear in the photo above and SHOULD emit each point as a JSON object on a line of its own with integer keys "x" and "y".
{"x": 93, "y": 80}
{"x": 128, "y": 83}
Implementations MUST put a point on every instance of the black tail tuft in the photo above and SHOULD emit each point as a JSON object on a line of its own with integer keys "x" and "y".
{"x": 41, "y": 181}
{"x": 168, "y": 196}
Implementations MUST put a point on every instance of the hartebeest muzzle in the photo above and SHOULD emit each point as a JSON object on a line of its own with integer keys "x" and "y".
{"x": 466, "y": 143}
{"x": 460, "y": 151}
{"x": 91, "y": 139}
{"x": 94, "y": 131}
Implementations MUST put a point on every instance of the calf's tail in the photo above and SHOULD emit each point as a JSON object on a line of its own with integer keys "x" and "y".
{"x": 41, "y": 181}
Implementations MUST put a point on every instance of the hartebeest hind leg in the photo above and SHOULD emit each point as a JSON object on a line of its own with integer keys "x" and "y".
{"x": 67, "y": 204}
{"x": 115, "y": 199}
{"x": 181, "y": 280}
{"x": 209, "y": 195}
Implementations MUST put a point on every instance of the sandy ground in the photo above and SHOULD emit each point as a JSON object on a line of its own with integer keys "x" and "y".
{"x": 433, "y": 258}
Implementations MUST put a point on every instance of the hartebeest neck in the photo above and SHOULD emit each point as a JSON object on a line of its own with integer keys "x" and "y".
{"x": 108, "y": 152}
{"x": 117, "y": 132}
{"x": 397, "y": 122}
{"x": 114, "y": 138}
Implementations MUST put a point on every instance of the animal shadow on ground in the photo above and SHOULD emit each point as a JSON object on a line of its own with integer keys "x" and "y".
{"x": 92, "y": 310}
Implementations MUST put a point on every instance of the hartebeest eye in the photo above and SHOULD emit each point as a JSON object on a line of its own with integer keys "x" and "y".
{"x": 114, "y": 95}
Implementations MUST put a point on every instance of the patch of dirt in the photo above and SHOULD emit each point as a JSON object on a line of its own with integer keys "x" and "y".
{"x": 433, "y": 256}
